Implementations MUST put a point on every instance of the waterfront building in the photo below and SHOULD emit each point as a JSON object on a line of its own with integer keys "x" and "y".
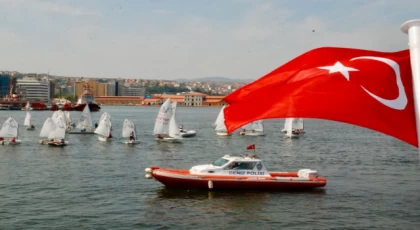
{"x": 34, "y": 88}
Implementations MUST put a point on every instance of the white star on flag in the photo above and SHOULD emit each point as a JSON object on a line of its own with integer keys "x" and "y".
{"x": 338, "y": 67}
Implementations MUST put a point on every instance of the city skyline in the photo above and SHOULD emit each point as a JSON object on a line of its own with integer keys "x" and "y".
{"x": 170, "y": 40}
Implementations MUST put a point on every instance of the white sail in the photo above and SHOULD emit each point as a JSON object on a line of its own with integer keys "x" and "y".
{"x": 298, "y": 123}
{"x": 128, "y": 128}
{"x": 247, "y": 127}
{"x": 54, "y": 116}
{"x": 27, "y": 120}
{"x": 85, "y": 120}
{"x": 174, "y": 128}
{"x": 28, "y": 105}
{"x": 68, "y": 116}
{"x": 10, "y": 128}
{"x": 286, "y": 121}
{"x": 163, "y": 118}
{"x": 257, "y": 126}
{"x": 174, "y": 104}
{"x": 47, "y": 128}
{"x": 289, "y": 127}
{"x": 58, "y": 114}
{"x": 105, "y": 115}
{"x": 220, "y": 121}
{"x": 104, "y": 126}
{"x": 59, "y": 130}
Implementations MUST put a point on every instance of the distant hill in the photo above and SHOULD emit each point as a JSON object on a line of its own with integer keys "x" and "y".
{"x": 216, "y": 79}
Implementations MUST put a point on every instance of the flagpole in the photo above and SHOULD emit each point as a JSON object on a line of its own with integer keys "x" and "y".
{"x": 412, "y": 28}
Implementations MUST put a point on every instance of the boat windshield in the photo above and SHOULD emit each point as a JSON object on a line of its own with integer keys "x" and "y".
{"x": 220, "y": 162}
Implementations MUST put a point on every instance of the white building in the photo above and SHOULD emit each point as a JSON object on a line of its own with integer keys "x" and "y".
{"x": 194, "y": 99}
{"x": 36, "y": 89}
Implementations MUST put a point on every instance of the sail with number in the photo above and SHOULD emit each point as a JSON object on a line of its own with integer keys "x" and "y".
{"x": 163, "y": 118}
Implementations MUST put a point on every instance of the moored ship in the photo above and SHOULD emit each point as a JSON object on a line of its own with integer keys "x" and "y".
{"x": 15, "y": 102}
{"x": 86, "y": 98}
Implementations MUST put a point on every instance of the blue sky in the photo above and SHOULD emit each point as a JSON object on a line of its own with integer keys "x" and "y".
{"x": 168, "y": 39}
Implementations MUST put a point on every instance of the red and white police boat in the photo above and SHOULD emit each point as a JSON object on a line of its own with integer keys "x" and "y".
{"x": 232, "y": 172}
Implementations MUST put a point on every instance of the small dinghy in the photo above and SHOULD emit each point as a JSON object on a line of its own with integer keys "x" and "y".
{"x": 10, "y": 129}
{"x": 104, "y": 127}
{"x": 129, "y": 132}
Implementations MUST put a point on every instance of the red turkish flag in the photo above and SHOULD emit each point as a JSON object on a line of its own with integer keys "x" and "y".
{"x": 366, "y": 88}
{"x": 251, "y": 146}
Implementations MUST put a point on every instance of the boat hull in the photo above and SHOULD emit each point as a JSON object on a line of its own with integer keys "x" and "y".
{"x": 29, "y": 128}
{"x": 189, "y": 133}
{"x": 223, "y": 134}
{"x": 92, "y": 107}
{"x": 5, "y": 142}
{"x": 131, "y": 142}
{"x": 170, "y": 140}
{"x": 44, "y": 142}
{"x": 173, "y": 178}
{"x": 78, "y": 132}
{"x": 58, "y": 144}
{"x": 251, "y": 134}
{"x": 104, "y": 139}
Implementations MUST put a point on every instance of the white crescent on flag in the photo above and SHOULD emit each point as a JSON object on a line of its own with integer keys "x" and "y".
{"x": 399, "y": 103}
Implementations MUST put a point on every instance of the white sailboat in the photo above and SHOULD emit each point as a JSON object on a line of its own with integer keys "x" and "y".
{"x": 104, "y": 127}
{"x": 129, "y": 131}
{"x": 10, "y": 129}
{"x": 84, "y": 126}
{"x": 162, "y": 120}
{"x": 184, "y": 132}
{"x": 27, "y": 106}
{"x": 46, "y": 129}
{"x": 166, "y": 127}
{"x": 58, "y": 133}
{"x": 297, "y": 126}
{"x": 187, "y": 133}
{"x": 174, "y": 132}
{"x": 28, "y": 122}
{"x": 219, "y": 125}
{"x": 255, "y": 128}
{"x": 290, "y": 130}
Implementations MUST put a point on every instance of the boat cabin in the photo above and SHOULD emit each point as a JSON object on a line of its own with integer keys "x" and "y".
{"x": 248, "y": 165}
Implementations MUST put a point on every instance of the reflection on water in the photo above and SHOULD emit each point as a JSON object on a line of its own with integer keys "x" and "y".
{"x": 181, "y": 205}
